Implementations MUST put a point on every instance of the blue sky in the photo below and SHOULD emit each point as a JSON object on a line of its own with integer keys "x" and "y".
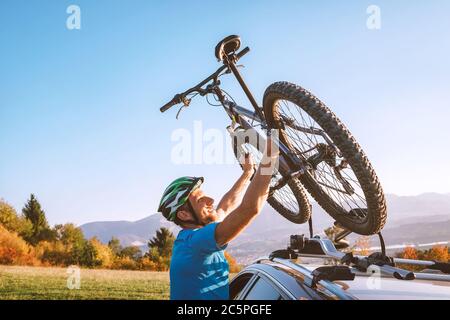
{"x": 79, "y": 109}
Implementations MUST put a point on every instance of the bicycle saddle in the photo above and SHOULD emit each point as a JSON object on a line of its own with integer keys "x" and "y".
{"x": 228, "y": 45}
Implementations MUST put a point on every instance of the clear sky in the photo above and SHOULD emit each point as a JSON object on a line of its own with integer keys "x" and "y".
{"x": 79, "y": 109}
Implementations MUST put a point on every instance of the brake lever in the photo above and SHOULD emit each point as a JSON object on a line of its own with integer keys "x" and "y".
{"x": 186, "y": 103}
{"x": 179, "y": 111}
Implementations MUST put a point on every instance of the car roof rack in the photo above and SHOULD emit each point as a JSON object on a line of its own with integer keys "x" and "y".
{"x": 319, "y": 277}
{"x": 315, "y": 247}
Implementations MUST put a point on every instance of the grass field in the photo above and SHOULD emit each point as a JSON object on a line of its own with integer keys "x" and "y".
{"x": 18, "y": 282}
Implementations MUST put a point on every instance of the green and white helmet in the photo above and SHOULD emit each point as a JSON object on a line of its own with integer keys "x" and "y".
{"x": 176, "y": 194}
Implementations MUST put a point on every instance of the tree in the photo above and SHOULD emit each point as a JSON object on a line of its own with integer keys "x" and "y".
{"x": 103, "y": 256}
{"x": 234, "y": 267}
{"x": 131, "y": 252}
{"x": 437, "y": 253}
{"x": 40, "y": 229}
{"x": 13, "y": 222}
{"x": 163, "y": 242}
{"x": 362, "y": 245}
{"x": 115, "y": 246}
{"x": 160, "y": 249}
{"x": 68, "y": 234}
{"x": 409, "y": 253}
{"x": 84, "y": 254}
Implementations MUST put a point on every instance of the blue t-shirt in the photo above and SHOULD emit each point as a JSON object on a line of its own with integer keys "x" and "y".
{"x": 198, "y": 269}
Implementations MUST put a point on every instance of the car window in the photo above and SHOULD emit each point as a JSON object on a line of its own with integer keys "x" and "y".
{"x": 263, "y": 290}
{"x": 238, "y": 284}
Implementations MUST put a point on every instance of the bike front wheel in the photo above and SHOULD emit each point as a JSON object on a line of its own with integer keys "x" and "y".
{"x": 339, "y": 176}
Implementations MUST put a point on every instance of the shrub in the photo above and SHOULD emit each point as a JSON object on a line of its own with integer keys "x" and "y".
{"x": 54, "y": 253}
{"x": 14, "y": 250}
{"x": 125, "y": 263}
{"x": 147, "y": 264}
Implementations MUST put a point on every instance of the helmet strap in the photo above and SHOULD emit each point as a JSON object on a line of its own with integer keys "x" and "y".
{"x": 196, "y": 219}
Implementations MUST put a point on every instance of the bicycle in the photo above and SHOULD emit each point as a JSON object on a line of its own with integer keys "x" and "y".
{"x": 318, "y": 154}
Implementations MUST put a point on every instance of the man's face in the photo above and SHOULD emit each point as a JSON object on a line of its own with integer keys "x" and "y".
{"x": 203, "y": 206}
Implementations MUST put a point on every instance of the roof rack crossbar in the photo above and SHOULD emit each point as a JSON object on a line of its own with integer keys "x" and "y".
{"x": 324, "y": 248}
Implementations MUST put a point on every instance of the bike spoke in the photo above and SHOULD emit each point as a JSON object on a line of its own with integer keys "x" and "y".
{"x": 305, "y": 143}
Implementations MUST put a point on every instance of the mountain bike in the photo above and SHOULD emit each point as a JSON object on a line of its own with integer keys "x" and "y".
{"x": 318, "y": 154}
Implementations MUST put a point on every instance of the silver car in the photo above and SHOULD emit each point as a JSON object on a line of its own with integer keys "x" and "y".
{"x": 277, "y": 278}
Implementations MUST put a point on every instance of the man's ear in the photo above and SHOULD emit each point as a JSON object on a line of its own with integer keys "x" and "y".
{"x": 184, "y": 215}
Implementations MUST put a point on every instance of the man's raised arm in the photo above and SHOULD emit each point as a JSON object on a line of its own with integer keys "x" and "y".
{"x": 253, "y": 200}
{"x": 233, "y": 197}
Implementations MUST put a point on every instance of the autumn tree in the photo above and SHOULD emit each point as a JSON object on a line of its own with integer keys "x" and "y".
{"x": 409, "y": 253}
{"x": 13, "y": 222}
{"x": 362, "y": 245}
{"x": 102, "y": 254}
{"x": 437, "y": 253}
{"x": 234, "y": 267}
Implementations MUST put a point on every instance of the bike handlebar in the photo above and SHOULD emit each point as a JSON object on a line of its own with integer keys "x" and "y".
{"x": 171, "y": 103}
{"x": 179, "y": 97}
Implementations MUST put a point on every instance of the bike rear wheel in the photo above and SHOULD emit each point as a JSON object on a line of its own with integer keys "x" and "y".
{"x": 339, "y": 176}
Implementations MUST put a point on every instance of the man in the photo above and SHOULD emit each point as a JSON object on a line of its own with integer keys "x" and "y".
{"x": 198, "y": 268}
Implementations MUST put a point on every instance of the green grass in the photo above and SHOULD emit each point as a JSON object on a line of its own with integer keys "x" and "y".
{"x": 17, "y": 282}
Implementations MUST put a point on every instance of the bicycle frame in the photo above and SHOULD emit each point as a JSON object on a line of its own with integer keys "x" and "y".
{"x": 237, "y": 114}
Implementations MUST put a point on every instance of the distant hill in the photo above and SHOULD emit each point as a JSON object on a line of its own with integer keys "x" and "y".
{"x": 129, "y": 233}
{"x": 424, "y": 205}
{"x": 412, "y": 219}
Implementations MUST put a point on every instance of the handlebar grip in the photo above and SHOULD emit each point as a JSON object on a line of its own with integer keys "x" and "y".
{"x": 243, "y": 52}
{"x": 170, "y": 104}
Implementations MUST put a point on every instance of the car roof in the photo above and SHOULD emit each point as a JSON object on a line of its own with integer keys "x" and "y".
{"x": 367, "y": 287}
{"x": 387, "y": 288}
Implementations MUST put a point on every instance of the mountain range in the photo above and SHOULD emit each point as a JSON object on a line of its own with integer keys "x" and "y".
{"x": 411, "y": 220}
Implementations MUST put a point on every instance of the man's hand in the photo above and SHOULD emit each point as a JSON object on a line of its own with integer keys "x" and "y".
{"x": 249, "y": 164}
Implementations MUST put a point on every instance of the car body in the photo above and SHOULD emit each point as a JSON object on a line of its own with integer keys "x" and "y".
{"x": 284, "y": 279}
